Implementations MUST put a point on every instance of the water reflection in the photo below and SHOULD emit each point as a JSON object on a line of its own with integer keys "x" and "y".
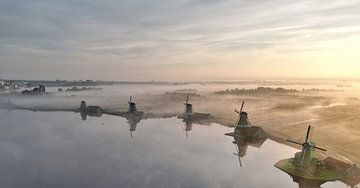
{"x": 241, "y": 145}
{"x": 95, "y": 111}
{"x": 188, "y": 127}
{"x": 132, "y": 124}
{"x": 306, "y": 183}
{"x": 133, "y": 116}
{"x": 51, "y": 149}
{"x": 132, "y": 120}
{"x": 309, "y": 183}
{"x": 84, "y": 115}
{"x": 245, "y": 137}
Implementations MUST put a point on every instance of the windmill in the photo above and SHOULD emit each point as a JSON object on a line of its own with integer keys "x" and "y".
{"x": 132, "y": 105}
{"x": 308, "y": 150}
{"x": 188, "y": 107}
{"x": 305, "y": 165}
{"x": 243, "y": 120}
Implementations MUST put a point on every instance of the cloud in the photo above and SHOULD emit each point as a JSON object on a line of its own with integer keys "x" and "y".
{"x": 165, "y": 32}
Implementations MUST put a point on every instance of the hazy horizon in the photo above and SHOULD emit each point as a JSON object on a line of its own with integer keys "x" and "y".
{"x": 229, "y": 80}
{"x": 192, "y": 40}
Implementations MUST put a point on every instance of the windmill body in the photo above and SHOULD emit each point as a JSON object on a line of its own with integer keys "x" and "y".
{"x": 243, "y": 127}
{"x": 243, "y": 120}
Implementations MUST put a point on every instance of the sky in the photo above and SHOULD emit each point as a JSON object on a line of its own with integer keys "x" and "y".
{"x": 183, "y": 40}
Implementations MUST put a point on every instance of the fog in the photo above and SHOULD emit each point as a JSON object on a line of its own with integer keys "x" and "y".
{"x": 330, "y": 106}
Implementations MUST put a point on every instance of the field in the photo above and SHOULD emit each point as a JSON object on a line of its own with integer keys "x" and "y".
{"x": 335, "y": 121}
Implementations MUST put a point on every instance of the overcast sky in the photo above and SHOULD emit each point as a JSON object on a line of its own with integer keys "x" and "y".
{"x": 179, "y": 40}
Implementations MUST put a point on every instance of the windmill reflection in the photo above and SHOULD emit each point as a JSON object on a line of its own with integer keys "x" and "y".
{"x": 133, "y": 116}
{"x": 245, "y": 137}
{"x": 306, "y": 183}
{"x": 132, "y": 124}
{"x": 188, "y": 127}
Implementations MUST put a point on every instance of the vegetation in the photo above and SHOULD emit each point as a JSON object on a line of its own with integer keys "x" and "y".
{"x": 259, "y": 90}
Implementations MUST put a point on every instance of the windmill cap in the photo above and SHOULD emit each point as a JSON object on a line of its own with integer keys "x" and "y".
{"x": 244, "y": 120}
{"x": 244, "y": 113}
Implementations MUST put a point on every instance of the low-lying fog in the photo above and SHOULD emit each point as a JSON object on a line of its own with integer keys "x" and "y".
{"x": 331, "y": 107}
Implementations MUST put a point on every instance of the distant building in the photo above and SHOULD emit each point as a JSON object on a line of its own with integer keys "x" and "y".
{"x": 36, "y": 91}
{"x": 7, "y": 86}
{"x": 89, "y": 110}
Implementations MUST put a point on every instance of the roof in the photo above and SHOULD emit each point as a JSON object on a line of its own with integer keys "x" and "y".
{"x": 336, "y": 164}
{"x": 93, "y": 109}
{"x": 249, "y": 131}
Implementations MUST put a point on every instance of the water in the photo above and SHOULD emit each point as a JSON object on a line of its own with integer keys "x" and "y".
{"x": 58, "y": 149}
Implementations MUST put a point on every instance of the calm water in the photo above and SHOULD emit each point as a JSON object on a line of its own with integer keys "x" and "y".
{"x": 58, "y": 149}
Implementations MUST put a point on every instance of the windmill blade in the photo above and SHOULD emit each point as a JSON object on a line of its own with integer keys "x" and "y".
{"x": 236, "y": 148}
{"x": 236, "y": 111}
{"x": 237, "y": 154}
{"x": 319, "y": 148}
{"x": 240, "y": 161}
{"x": 187, "y": 99}
{"x": 242, "y": 106}
{"x": 307, "y": 134}
{"x": 295, "y": 142}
